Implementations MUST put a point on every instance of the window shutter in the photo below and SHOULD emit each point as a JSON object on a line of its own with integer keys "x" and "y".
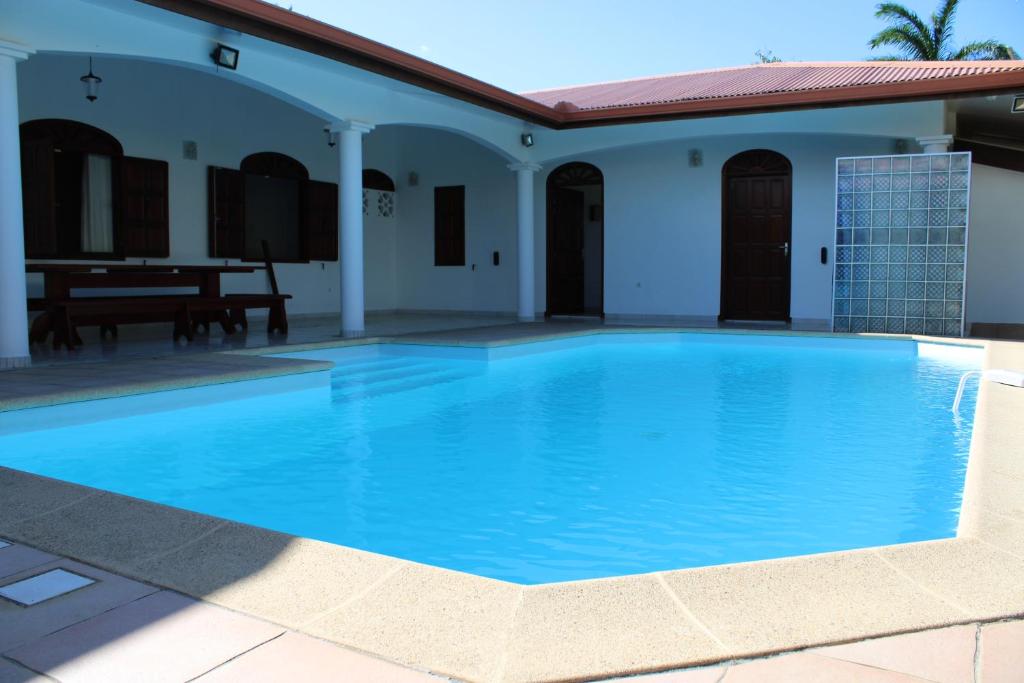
{"x": 145, "y": 224}
{"x": 37, "y": 188}
{"x": 450, "y": 226}
{"x": 226, "y": 212}
{"x": 320, "y": 220}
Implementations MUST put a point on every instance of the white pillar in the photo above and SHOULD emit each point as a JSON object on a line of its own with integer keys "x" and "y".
{"x": 524, "y": 231}
{"x": 349, "y": 135}
{"x": 13, "y": 310}
{"x": 935, "y": 144}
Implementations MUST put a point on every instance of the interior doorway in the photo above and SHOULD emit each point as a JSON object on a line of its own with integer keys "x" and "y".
{"x": 575, "y": 240}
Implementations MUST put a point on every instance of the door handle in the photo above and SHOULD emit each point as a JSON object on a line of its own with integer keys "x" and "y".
{"x": 784, "y": 248}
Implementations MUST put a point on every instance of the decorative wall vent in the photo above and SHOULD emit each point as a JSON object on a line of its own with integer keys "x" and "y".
{"x": 386, "y": 204}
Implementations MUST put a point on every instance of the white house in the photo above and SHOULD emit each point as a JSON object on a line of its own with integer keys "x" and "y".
{"x": 685, "y": 198}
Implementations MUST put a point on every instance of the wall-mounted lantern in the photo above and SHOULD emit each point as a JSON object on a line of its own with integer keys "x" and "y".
{"x": 91, "y": 82}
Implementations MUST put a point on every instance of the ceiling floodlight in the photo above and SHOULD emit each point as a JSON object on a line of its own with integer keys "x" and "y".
{"x": 226, "y": 57}
{"x": 1018, "y": 105}
{"x": 526, "y": 139}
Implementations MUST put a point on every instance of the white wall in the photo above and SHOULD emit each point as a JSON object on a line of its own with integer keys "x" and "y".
{"x": 995, "y": 249}
{"x": 663, "y": 222}
{"x": 440, "y": 158}
{"x": 151, "y": 109}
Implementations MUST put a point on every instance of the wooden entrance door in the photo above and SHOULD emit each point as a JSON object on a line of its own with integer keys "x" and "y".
{"x": 756, "y": 237}
{"x": 565, "y": 252}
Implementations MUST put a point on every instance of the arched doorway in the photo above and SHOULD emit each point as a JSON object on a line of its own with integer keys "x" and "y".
{"x": 575, "y": 240}
{"x": 756, "y": 236}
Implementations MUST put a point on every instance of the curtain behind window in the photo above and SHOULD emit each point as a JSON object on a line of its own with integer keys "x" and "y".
{"x": 97, "y": 204}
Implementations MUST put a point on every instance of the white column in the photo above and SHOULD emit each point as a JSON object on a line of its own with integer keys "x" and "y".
{"x": 524, "y": 230}
{"x": 13, "y": 310}
{"x": 349, "y": 135}
{"x": 935, "y": 144}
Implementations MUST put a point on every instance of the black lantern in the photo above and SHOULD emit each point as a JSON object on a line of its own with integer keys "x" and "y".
{"x": 225, "y": 56}
{"x": 92, "y": 84}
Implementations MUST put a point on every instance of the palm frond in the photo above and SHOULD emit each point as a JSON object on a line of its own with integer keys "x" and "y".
{"x": 904, "y": 39}
{"x": 985, "y": 49}
{"x": 905, "y": 29}
{"x": 942, "y": 27}
{"x": 894, "y": 12}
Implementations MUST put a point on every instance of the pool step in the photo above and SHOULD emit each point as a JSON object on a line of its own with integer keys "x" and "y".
{"x": 379, "y": 374}
{"x": 381, "y": 386}
{"x": 369, "y": 364}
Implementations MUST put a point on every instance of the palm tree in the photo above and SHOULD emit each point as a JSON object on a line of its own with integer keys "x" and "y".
{"x": 917, "y": 41}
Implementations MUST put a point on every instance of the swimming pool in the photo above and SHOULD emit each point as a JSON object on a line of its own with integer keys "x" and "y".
{"x": 595, "y": 456}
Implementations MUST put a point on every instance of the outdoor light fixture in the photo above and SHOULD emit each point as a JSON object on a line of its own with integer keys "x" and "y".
{"x": 330, "y": 136}
{"x": 225, "y": 56}
{"x": 1018, "y": 105}
{"x": 526, "y": 139}
{"x": 92, "y": 84}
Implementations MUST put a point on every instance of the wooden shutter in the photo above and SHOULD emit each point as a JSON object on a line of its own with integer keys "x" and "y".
{"x": 450, "y": 226}
{"x": 226, "y": 212}
{"x": 320, "y": 220}
{"x": 145, "y": 224}
{"x": 37, "y": 194}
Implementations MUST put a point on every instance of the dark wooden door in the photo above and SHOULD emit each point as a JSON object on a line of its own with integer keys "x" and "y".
{"x": 756, "y": 246}
{"x": 565, "y": 252}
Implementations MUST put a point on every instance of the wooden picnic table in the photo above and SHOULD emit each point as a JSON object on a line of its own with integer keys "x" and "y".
{"x": 60, "y": 279}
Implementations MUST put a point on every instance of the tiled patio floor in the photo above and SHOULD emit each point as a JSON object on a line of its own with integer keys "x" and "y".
{"x": 117, "y": 629}
{"x": 147, "y": 341}
{"x": 122, "y": 630}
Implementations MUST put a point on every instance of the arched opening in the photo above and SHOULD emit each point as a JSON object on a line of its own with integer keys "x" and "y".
{"x": 756, "y": 236}
{"x": 377, "y": 180}
{"x": 575, "y": 240}
{"x": 270, "y": 195}
{"x": 69, "y": 187}
{"x": 274, "y": 165}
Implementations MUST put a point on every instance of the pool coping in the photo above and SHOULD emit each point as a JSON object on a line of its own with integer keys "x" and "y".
{"x": 474, "y": 628}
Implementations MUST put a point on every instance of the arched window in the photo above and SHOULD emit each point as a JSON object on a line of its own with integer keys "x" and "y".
{"x": 272, "y": 199}
{"x": 377, "y": 180}
{"x": 274, "y": 165}
{"x": 378, "y": 193}
{"x": 83, "y": 198}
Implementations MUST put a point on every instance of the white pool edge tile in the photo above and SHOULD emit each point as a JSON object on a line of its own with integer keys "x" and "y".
{"x": 45, "y": 586}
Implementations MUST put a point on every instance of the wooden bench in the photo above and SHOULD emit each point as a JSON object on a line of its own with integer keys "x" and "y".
{"x": 186, "y": 312}
{"x": 63, "y": 314}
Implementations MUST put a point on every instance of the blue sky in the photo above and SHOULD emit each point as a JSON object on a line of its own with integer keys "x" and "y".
{"x": 531, "y": 44}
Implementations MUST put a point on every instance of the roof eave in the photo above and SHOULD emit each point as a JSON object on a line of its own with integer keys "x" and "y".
{"x": 285, "y": 27}
{"x": 282, "y": 26}
{"x": 907, "y": 91}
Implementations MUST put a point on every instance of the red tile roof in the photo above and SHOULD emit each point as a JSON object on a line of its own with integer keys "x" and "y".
{"x": 758, "y": 79}
{"x": 769, "y": 87}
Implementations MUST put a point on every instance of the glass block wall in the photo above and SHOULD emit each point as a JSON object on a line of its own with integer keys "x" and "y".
{"x": 901, "y": 243}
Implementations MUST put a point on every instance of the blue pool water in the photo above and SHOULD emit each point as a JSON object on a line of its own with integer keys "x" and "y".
{"x": 567, "y": 460}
